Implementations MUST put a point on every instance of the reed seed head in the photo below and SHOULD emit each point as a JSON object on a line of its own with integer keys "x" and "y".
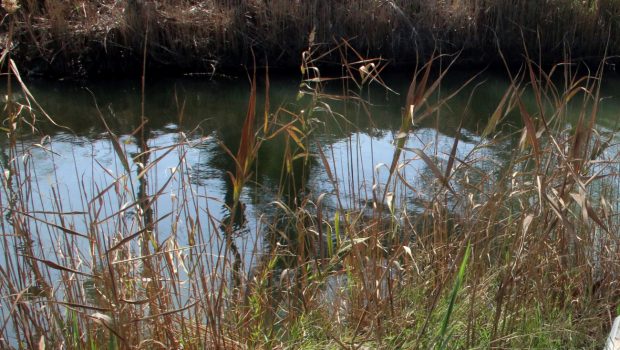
{"x": 11, "y": 6}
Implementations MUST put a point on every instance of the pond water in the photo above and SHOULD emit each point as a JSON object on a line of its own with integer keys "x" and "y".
{"x": 72, "y": 164}
{"x": 210, "y": 114}
{"x": 191, "y": 123}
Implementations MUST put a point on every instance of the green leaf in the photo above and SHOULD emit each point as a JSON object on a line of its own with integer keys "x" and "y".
{"x": 443, "y": 333}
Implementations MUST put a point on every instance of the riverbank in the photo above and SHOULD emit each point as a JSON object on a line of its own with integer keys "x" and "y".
{"x": 85, "y": 38}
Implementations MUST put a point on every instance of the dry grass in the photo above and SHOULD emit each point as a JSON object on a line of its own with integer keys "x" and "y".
{"x": 81, "y": 37}
{"x": 522, "y": 253}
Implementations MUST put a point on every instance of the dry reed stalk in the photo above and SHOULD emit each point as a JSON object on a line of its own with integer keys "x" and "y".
{"x": 495, "y": 252}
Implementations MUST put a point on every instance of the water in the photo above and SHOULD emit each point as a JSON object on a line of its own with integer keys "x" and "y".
{"x": 209, "y": 115}
{"x": 76, "y": 168}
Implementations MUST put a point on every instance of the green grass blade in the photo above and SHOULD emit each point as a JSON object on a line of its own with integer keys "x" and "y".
{"x": 443, "y": 333}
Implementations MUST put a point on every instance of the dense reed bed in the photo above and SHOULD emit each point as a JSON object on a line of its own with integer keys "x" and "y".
{"x": 83, "y": 37}
{"x": 521, "y": 253}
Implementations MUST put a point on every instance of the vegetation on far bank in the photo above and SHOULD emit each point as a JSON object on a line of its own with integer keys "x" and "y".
{"x": 88, "y": 38}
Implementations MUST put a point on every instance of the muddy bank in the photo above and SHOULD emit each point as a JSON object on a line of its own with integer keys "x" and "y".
{"x": 86, "y": 38}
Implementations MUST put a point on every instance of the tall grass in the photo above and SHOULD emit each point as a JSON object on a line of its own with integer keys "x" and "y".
{"x": 84, "y": 37}
{"x": 522, "y": 253}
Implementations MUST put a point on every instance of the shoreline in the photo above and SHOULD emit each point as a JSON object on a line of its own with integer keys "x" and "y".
{"x": 88, "y": 39}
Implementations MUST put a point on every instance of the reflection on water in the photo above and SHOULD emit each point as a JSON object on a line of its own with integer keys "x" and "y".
{"x": 210, "y": 114}
{"x": 193, "y": 127}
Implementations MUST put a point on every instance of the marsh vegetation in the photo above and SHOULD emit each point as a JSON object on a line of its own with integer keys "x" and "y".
{"x": 78, "y": 38}
{"x": 334, "y": 210}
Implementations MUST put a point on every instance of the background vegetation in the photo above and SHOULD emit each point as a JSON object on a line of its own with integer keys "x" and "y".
{"x": 84, "y": 37}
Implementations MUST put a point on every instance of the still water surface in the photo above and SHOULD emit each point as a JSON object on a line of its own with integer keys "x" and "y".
{"x": 71, "y": 166}
{"x": 208, "y": 114}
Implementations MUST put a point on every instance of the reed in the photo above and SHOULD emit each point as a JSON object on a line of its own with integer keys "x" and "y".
{"x": 518, "y": 254}
{"x": 82, "y": 38}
